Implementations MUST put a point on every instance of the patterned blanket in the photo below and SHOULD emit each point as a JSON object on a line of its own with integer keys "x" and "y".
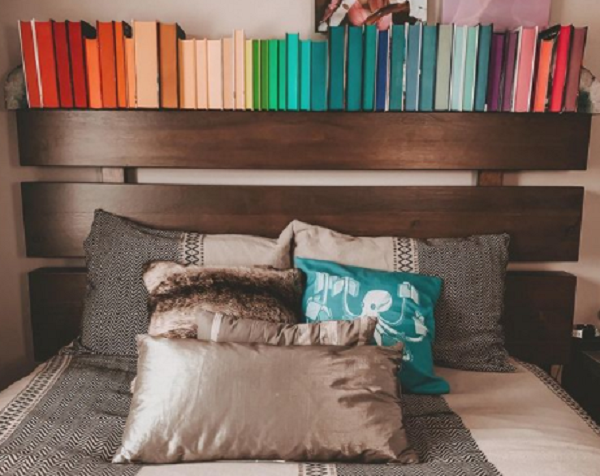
{"x": 70, "y": 418}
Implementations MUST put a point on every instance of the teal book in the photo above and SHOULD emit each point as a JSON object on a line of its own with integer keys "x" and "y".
{"x": 318, "y": 74}
{"x": 459, "y": 53}
{"x": 443, "y": 68}
{"x": 305, "y": 47}
{"x": 397, "y": 62}
{"x": 483, "y": 66}
{"x": 470, "y": 68}
{"x": 370, "y": 66}
{"x": 256, "y": 104}
{"x": 293, "y": 71}
{"x": 354, "y": 74}
{"x": 273, "y": 74}
{"x": 282, "y": 89}
{"x": 264, "y": 75}
{"x": 337, "y": 60}
{"x": 428, "y": 64}
{"x": 413, "y": 66}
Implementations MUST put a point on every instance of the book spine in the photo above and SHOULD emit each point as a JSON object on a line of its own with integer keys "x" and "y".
{"x": 293, "y": 71}
{"x": 557, "y": 99}
{"x": 169, "y": 75}
{"x": 215, "y": 74}
{"x": 483, "y": 66}
{"x": 381, "y": 89}
{"x": 187, "y": 74}
{"x": 509, "y": 71}
{"x": 63, "y": 64}
{"x": 46, "y": 63}
{"x": 444, "y": 68}
{"x": 428, "y": 65}
{"x": 370, "y": 64}
{"x": 575, "y": 65}
{"x": 92, "y": 60}
{"x": 264, "y": 75}
{"x": 355, "y": 69}
{"x": 256, "y": 75}
{"x": 146, "y": 63}
{"x": 121, "y": 68}
{"x": 458, "y": 68}
{"x": 239, "y": 41}
{"x": 130, "y": 71}
{"x": 305, "y": 75}
{"x": 202, "y": 73}
{"x": 282, "y": 89}
{"x": 248, "y": 76}
{"x": 495, "y": 81}
{"x": 108, "y": 65}
{"x": 413, "y": 66}
{"x": 228, "y": 74}
{"x": 318, "y": 68}
{"x": 273, "y": 74}
{"x": 337, "y": 47}
{"x": 470, "y": 68}
{"x": 28, "y": 52}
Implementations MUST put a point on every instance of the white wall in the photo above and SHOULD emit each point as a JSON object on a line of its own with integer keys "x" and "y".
{"x": 260, "y": 18}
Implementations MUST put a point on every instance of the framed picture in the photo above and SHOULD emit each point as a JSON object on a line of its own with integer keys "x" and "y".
{"x": 382, "y": 13}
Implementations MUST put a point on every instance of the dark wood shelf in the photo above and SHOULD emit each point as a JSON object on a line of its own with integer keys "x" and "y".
{"x": 304, "y": 140}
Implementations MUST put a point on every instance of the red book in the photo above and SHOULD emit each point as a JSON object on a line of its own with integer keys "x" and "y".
{"x": 80, "y": 94}
{"x": 108, "y": 64}
{"x": 63, "y": 64}
{"x": 46, "y": 61}
{"x": 561, "y": 65}
{"x": 34, "y": 98}
{"x": 122, "y": 31}
{"x": 575, "y": 64}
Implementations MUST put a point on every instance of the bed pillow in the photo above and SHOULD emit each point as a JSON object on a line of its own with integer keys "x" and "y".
{"x": 204, "y": 401}
{"x": 217, "y": 327}
{"x": 178, "y": 293}
{"x": 469, "y": 335}
{"x": 116, "y": 251}
{"x": 403, "y": 303}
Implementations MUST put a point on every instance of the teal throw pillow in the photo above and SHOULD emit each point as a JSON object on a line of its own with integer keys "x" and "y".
{"x": 402, "y": 302}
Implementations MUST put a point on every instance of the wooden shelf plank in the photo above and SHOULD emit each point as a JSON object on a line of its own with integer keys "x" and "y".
{"x": 304, "y": 140}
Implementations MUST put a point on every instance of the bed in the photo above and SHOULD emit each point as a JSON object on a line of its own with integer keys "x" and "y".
{"x": 67, "y": 416}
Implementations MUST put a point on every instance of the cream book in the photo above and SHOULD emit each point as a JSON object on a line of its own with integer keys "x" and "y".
{"x": 239, "y": 67}
{"x": 187, "y": 74}
{"x": 202, "y": 74}
{"x": 215, "y": 74}
{"x": 248, "y": 72}
{"x": 130, "y": 72}
{"x": 145, "y": 34}
{"x": 228, "y": 73}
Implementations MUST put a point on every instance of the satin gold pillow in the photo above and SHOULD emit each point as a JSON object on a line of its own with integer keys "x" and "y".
{"x": 217, "y": 327}
{"x": 206, "y": 401}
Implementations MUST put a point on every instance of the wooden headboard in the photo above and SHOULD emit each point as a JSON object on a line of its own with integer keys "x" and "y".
{"x": 544, "y": 222}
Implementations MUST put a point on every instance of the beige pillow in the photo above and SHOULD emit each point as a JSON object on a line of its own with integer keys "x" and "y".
{"x": 204, "y": 401}
{"x": 178, "y": 293}
{"x": 217, "y": 327}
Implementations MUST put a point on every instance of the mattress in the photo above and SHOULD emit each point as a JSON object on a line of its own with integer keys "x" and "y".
{"x": 68, "y": 415}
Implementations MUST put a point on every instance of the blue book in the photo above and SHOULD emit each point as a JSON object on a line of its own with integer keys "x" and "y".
{"x": 483, "y": 66}
{"x": 382, "y": 71}
{"x": 413, "y": 66}
{"x": 397, "y": 61}
{"x": 318, "y": 83}
{"x": 428, "y": 67}
{"x": 370, "y": 67}
{"x": 337, "y": 63}
{"x": 293, "y": 71}
{"x": 305, "y": 75}
{"x": 355, "y": 69}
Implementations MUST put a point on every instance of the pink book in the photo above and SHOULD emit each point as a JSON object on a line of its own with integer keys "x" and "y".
{"x": 215, "y": 74}
{"x": 525, "y": 71}
{"x": 240, "y": 80}
{"x": 575, "y": 64}
{"x": 202, "y": 73}
{"x": 228, "y": 69}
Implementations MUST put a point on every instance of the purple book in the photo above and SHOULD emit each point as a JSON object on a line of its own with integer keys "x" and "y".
{"x": 495, "y": 83}
{"x": 509, "y": 70}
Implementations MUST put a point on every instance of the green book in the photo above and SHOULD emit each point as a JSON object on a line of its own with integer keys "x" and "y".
{"x": 428, "y": 64}
{"x": 293, "y": 71}
{"x": 470, "y": 68}
{"x": 264, "y": 75}
{"x": 337, "y": 47}
{"x": 398, "y": 59}
{"x": 318, "y": 83}
{"x": 256, "y": 74}
{"x": 444, "y": 66}
{"x": 370, "y": 63}
{"x": 282, "y": 75}
{"x": 355, "y": 69}
{"x": 273, "y": 74}
{"x": 305, "y": 47}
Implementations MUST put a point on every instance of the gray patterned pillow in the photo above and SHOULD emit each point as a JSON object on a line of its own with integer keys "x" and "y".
{"x": 468, "y": 332}
{"x": 116, "y": 308}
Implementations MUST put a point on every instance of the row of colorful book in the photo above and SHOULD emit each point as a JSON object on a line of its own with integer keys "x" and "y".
{"x": 406, "y": 68}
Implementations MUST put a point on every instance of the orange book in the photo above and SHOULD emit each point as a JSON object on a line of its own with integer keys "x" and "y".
{"x": 240, "y": 78}
{"x": 542, "y": 79}
{"x": 108, "y": 64}
{"x": 92, "y": 60}
{"x": 187, "y": 74}
{"x": 122, "y": 31}
{"x": 202, "y": 74}
{"x": 145, "y": 36}
{"x": 130, "y": 72}
{"x": 46, "y": 62}
{"x": 215, "y": 74}
{"x": 228, "y": 79}
{"x": 168, "y": 36}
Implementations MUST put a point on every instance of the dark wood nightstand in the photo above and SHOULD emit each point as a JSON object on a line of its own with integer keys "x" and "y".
{"x": 581, "y": 377}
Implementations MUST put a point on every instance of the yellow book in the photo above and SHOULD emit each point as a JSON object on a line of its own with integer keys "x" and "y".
{"x": 187, "y": 74}
{"x": 249, "y": 79}
{"x": 202, "y": 74}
